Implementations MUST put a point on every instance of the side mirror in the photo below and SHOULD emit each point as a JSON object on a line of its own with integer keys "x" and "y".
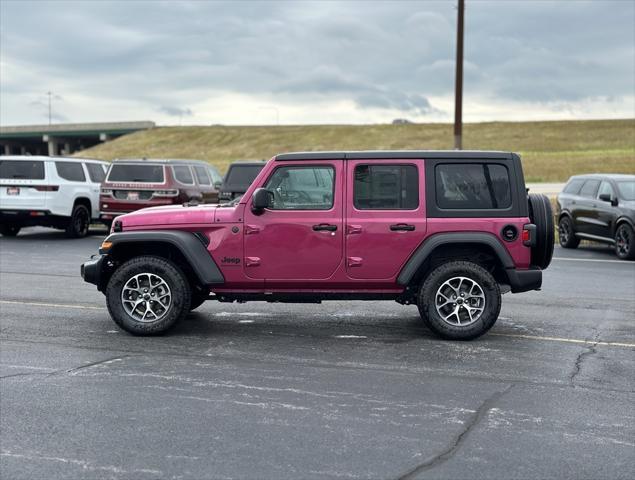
{"x": 605, "y": 197}
{"x": 262, "y": 198}
{"x": 218, "y": 184}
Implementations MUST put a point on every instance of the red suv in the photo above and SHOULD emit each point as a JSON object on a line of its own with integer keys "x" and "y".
{"x": 134, "y": 184}
{"x": 447, "y": 231}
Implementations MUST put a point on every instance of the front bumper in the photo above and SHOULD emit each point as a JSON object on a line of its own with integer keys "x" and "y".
{"x": 92, "y": 270}
{"x": 524, "y": 280}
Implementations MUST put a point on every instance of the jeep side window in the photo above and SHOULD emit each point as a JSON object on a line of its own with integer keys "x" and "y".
{"x": 590, "y": 188}
{"x": 202, "y": 175}
{"x": 71, "y": 171}
{"x": 183, "y": 174}
{"x": 386, "y": 187}
{"x": 302, "y": 188}
{"x": 472, "y": 186}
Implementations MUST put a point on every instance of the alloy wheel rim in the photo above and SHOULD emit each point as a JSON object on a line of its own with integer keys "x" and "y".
{"x": 460, "y": 301}
{"x": 564, "y": 232}
{"x": 146, "y": 297}
{"x": 81, "y": 222}
{"x": 622, "y": 241}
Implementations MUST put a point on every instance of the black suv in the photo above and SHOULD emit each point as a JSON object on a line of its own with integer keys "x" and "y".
{"x": 238, "y": 179}
{"x": 600, "y": 208}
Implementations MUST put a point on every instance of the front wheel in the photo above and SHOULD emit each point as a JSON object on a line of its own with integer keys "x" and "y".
{"x": 9, "y": 230}
{"x": 459, "y": 301}
{"x": 625, "y": 242}
{"x": 148, "y": 295}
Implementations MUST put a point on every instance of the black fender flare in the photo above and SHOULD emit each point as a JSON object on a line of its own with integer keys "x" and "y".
{"x": 424, "y": 250}
{"x": 189, "y": 244}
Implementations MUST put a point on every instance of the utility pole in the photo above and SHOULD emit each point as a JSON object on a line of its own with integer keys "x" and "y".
{"x": 458, "y": 85}
{"x": 49, "y": 93}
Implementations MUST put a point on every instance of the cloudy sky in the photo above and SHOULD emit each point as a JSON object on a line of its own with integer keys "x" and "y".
{"x": 242, "y": 62}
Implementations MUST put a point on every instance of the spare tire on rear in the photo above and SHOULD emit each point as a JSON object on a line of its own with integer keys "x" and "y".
{"x": 541, "y": 215}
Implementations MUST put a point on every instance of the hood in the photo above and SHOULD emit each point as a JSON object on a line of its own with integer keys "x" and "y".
{"x": 169, "y": 216}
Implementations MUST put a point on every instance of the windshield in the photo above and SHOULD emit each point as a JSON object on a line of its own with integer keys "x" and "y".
{"x": 627, "y": 190}
{"x": 22, "y": 169}
{"x": 136, "y": 173}
{"x": 243, "y": 174}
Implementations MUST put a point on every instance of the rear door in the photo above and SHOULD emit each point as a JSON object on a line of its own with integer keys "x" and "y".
{"x": 385, "y": 216}
{"x": 23, "y": 184}
{"x": 584, "y": 214}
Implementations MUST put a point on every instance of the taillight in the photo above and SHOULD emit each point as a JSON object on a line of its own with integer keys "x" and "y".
{"x": 165, "y": 193}
{"x": 529, "y": 235}
{"x": 46, "y": 188}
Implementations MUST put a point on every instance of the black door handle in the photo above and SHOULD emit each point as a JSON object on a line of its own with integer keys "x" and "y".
{"x": 325, "y": 226}
{"x": 403, "y": 227}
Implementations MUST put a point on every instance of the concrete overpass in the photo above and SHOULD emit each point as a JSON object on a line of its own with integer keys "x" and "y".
{"x": 62, "y": 139}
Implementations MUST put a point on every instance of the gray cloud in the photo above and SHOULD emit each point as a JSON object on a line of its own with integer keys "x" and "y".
{"x": 389, "y": 55}
{"x": 176, "y": 111}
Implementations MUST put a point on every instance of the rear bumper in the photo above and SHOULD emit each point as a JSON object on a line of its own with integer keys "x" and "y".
{"x": 92, "y": 270}
{"x": 524, "y": 280}
{"x": 32, "y": 218}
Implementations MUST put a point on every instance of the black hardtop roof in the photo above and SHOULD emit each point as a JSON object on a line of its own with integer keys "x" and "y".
{"x": 602, "y": 176}
{"x": 166, "y": 161}
{"x": 397, "y": 154}
{"x": 238, "y": 163}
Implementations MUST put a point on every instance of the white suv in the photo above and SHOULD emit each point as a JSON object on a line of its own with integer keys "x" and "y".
{"x": 54, "y": 192}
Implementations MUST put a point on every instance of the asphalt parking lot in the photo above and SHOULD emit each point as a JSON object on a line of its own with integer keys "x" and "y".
{"x": 338, "y": 390}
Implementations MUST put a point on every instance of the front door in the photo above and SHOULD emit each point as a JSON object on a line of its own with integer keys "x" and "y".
{"x": 385, "y": 216}
{"x": 300, "y": 238}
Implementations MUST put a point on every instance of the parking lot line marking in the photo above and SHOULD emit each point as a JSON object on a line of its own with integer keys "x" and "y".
{"x": 593, "y": 260}
{"x": 565, "y": 340}
{"x": 55, "y": 305}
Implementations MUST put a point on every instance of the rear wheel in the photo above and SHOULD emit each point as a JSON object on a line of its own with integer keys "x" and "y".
{"x": 9, "y": 230}
{"x": 148, "y": 295}
{"x": 77, "y": 226}
{"x": 459, "y": 301}
{"x": 625, "y": 242}
{"x": 541, "y": 215}
{"x": 566, "y": 235}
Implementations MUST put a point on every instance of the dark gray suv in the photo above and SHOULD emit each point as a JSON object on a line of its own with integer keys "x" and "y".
{"x": 599, "y": 207}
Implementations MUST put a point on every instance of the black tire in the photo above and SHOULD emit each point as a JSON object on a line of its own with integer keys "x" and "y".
{"x": 79, "y": 222}
{"x": 449, "y": 329}
{"x": 179, "y": 289}
{"x": 625, "y": 242}
{"x": 566, "y": 234}
{"x": 10, "y": 230}
{"x": 541, "y": 215}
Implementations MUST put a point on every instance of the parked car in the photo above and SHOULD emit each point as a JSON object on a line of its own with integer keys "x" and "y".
{"x": 238, "y": 179}
{"x": 133, "y": 184}
{"x": 53, "y": 192}
{"x": 447, "y": 231}
{"x": 601, "y": 208}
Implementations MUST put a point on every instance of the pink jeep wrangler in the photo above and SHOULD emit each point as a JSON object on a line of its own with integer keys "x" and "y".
{"x": 445, "y": 230}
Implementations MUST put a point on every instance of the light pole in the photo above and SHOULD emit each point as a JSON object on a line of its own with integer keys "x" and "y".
{"x": 458, "y": 85}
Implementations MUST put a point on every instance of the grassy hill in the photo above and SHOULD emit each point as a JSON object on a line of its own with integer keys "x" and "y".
{"x": 551, "y": 151}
